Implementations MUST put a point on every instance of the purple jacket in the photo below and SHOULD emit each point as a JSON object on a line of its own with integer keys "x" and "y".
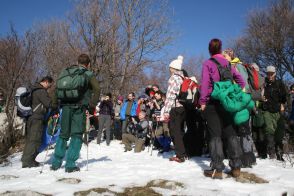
{"x": 210, "y": 74}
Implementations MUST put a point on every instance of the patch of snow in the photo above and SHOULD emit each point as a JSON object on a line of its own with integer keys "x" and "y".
{"x": 112, "y": 168}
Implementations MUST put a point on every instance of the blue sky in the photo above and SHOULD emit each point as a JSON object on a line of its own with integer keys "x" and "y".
{"x": 197, "y": 21}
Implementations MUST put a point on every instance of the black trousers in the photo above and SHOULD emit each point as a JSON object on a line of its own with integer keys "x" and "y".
{"x": 176, "y": 127}
{"x": 220, "y": 126}
{"x": 194, "y": 137}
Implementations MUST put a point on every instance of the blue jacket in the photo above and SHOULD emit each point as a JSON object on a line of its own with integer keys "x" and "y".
{"x": 124, "y": 108}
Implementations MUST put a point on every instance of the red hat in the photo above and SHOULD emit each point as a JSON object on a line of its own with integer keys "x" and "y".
{"x": 121, "y": 98}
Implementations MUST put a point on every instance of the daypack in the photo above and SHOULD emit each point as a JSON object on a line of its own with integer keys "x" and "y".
{"x": 255, "y": 82}
{"x": 51, "y": 130}
{"x": 224, "y": 72}
{"x": 189, "y": 94}
{"x": 23, "y": 102}
{"x": 72, "y": 84}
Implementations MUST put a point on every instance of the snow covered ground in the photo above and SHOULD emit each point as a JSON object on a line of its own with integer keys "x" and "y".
{"x": 109, "y": 167}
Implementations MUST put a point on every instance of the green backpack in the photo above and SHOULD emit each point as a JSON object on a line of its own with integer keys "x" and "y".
{"x": 72, "y": 84}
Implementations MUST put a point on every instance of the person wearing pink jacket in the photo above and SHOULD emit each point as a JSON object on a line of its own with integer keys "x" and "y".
{"x": 219, "y": 122}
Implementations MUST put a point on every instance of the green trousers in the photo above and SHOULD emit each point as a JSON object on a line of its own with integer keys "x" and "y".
{"x": 274, "y": 125}
{"x": 129, "y": 139}
{"x": 33, "y": 141}
{"x": 73, "y": 125}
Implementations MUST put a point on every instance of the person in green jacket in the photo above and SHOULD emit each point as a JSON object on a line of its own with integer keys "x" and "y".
{"x": 73, "y": 121}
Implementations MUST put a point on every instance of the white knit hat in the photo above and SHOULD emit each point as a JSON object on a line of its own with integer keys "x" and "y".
{"x": 177, "y": 64}
{"x": 271, "y": 69}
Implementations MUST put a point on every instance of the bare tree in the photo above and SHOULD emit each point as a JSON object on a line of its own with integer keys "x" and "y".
{"x": 145, "y": 32}
{"x": 193, "y": 66}
{"x": 54, "y": 52}
{"x": 120, "y": 36}
{"x": 269, "y": 38}
{"x": 16, "y": 56}
{"x": 92, "y": 28}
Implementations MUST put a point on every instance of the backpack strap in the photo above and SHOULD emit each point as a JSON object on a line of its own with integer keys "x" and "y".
{"x": 40, "y": 104}
{"x": 219, "y": 66}
{"x": 35, "y": 109}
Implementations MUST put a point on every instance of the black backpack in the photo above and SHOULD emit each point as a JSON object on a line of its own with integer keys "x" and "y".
{"x": 224, "y": 72}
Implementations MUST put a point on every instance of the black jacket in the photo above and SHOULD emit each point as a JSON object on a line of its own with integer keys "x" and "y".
{"x": 106, "y": 107}
{"x": 275, "y": 94}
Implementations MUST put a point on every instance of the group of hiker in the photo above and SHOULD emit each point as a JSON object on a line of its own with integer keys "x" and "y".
{"x": 234, "y": 111}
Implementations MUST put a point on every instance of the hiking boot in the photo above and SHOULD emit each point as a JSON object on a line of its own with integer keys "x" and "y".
{"x": 213, "y": 173}
{"x": 236, "y": 172}
{"x": 34, "y": 164}
{"x": 54, "y": 168}
{"x": 127, "y": 149}
{"x": 178, "y": 159}
{"x": 272, "y": 156}
{"x": 72, "y": 169}
{"x": 280, "y": 157}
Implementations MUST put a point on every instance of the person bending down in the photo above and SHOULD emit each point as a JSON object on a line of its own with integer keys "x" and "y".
{"x": 136, "y": 133}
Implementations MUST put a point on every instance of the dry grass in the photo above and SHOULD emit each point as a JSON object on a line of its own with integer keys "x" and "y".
{"x": 69, "y": 180}
{"x": 146, "y": 190}
{"x": 246, "y": 177}
{"x": 17, "y": 147}
{"x": 23, "y": 192}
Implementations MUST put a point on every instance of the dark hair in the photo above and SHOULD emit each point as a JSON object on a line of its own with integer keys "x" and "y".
{"x": 158, "y": 92}
{"x": 215, "y": 46}
{"x": 109, "y": 95}
{"x": 292, "y": 87}
{"x": 132, "y": 93}
{"x": 156, "y": 85}
{"x": 47, "y": 78}
{"x": 84, "y": 59}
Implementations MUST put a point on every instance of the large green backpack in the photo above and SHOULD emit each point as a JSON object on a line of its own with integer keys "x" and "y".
{"x": 72, "y": 84}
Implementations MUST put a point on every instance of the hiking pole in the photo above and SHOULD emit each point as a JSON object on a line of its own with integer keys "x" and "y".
{"x": 88, "y": 126}
{"x": 152, "y": 138}
{"x": 150, "y": 126}
{"x": 47, "y": 149}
